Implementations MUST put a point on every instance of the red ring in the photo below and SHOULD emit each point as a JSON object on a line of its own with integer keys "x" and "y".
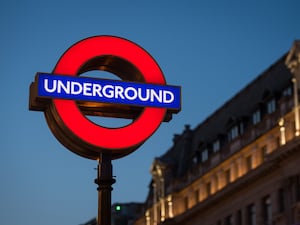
{"x": 109, "y": 138}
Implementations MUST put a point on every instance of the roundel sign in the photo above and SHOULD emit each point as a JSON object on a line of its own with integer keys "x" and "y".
{"x": 67, "y": 97}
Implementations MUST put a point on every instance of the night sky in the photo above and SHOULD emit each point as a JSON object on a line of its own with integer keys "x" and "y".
{"x": 212, "y": 49}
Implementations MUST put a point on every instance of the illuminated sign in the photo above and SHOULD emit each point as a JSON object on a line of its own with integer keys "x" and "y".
{"x": 110, "y": 91}
{"x": 142, "y": 79}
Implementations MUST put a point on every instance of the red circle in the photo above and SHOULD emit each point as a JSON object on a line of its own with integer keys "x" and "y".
{"x": 109, "y": 138}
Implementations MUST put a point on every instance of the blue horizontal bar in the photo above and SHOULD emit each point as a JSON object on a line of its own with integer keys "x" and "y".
{"x": 108, "y": 91}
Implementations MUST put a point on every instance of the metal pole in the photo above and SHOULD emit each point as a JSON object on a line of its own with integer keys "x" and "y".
{"x": 104, "y": 181}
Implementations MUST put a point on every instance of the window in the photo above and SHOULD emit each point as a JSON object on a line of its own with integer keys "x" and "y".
{"x": 256, "y": 117}
{"x": 208, "y": 189}
{"x": 197, "y": 195}
{"x": 216, "y": 146}
{"x": 280, "y": 197}
{"x": 233, "y": 133}
{"x": 241, "y": 131}
{"x": 205, "y": 155}
{"x": 227, "y": 176}
{"x": 264, "y": 152}
{"x": 229, "y": 220}
{"x": 297, "y": 188}
{"x": 251, "y": 215}
{"x": 249, "y": 162}
{"x": 195, "y": 159}
{"x": 239, "y": 218}
{"x": 287, "y": 91}
{"x": 278, "y": 142}
{"x": 267, "y": 210}
{"x": 271, "y": 106}
{"x": 216, "y": 185}
{"x": 186, "y": 202}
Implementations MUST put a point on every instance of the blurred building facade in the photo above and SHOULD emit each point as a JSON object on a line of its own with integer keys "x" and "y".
{"x": 241, "y": 166}
{"x": 126, "y": 213}
{"x": 122, "y": 213}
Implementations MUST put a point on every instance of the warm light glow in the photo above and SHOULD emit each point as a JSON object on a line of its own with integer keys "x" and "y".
{"x": 170, "y": 206}
{"x": 163, "y": 210}
{"x": 296, "y": 107}
{"x": 282, "y": 132}
{"x": 147, "y": 214}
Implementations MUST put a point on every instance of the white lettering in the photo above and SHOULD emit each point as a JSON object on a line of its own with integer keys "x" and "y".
{"x": 154, "y": 95}
{"x": 46, "y": 86}
{"x": 61, "y": 85}
{"x": 96, "y": 90}
{"x": 146, "y": 98}
{"x": 119, "y": 92}
{"x": 76, "y": 88}
{"x": 133, "y": 90}
{"x": 166, "y": 99}
{"x": 87, "y": 88}
{"x": 110, "y": 92}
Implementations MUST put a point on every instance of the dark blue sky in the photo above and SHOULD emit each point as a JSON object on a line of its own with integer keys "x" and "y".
{"x": 210, "y": 48}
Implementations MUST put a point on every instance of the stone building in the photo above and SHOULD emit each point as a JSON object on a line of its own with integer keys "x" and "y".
{"x": 240, "y": 166}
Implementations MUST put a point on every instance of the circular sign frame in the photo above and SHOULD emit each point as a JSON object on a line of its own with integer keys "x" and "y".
{"x": 128, "y": 61}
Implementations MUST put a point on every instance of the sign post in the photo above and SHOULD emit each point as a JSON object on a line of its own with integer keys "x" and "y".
{"x": 66, "y": 98}
{"x": 104, "y": 181}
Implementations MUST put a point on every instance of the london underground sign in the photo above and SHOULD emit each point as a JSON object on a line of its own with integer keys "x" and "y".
{"x": 111, "y": 91}
{"x": 142, "y": 95}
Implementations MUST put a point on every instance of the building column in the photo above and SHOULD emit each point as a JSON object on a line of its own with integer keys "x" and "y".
{"x": 148, "y": 218}
{"x": 170, "y": 207}
{"x": 214, "y": 184}
{"x": 256, "y": 157}
{"x": 162, "y": 200}
{"x": 240, "y": 166}
{"x": 293, "y": 63}
{"x": 282, "y": 131}
{"x": 202, "y": 191}
{"x": 296, "y": 107}
{"x": 154, "y": 204}
{"x": 233, "y": 171}
{"x": 221, "y": 179}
